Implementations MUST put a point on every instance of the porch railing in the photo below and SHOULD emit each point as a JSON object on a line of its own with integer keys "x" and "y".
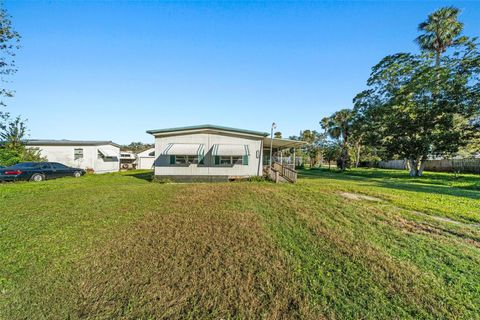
{"x": 283, "y": 160}
{"x": 286, "y": 171}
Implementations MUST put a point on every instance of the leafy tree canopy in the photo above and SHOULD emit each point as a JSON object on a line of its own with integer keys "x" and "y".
{"x": 9, "y": 42}
{"x": 137, "y": 147}
{"x": 440, "y": 31}
{"x": 339, "y": 126}
{"x": 312, "y": 150}
{"x": 415, "y": 108}
{"x": 331, "y": 151}
{"x": 421, "y": 105}
{"x": 13, "y": 131}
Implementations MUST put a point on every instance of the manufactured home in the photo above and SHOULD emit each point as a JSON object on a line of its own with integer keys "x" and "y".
{"x": 98, "y": 156}
{"x": 217, "y": 153}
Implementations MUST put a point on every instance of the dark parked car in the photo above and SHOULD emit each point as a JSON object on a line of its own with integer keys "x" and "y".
{"x": 38, "y": 171}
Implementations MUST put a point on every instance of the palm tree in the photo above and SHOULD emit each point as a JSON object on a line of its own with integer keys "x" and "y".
{"x": 440, "y": 31}
{"x": 338, "y": 126}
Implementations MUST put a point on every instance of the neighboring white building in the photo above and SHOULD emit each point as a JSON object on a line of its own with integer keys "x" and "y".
{"x": 212, "y": 153}
{"x": 99, "y": 156}
{"x": 127, "y": 160}
{"x": 146, "y": 159}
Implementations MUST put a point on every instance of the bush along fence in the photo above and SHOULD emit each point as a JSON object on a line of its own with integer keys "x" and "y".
{"x": 445, "y": 165}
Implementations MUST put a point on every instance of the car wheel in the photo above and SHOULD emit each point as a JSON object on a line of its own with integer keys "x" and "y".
{"x": 77, "y": 174}
{"x": 37, "y": 177}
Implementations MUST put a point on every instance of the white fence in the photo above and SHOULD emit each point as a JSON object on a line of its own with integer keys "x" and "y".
{"x": 392, "y": 164}
{"x": 446, "y": 165}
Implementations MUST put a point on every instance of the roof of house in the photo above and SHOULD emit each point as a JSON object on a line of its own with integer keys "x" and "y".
{"x": 64, "y": 142}
{"x": 146, "y": 153}
{"x": 277, "y": 143}
{"x": 208, "y": 127}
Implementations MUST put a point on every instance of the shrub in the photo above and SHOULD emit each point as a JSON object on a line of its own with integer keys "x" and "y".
{"x": 162, "y": 180}
{"x": 11, "y": 156}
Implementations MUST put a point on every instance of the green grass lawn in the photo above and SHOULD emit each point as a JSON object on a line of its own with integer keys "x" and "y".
{"x": 361, "y": 244}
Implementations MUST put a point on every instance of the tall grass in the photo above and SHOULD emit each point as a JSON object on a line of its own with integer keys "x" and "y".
{"x": 120, "y": 246}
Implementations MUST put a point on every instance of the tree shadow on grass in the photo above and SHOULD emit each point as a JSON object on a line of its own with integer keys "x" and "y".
{"x": 391, "y": 181}
{"x": 143, "y": 175}
{"x": 436, "y": 189}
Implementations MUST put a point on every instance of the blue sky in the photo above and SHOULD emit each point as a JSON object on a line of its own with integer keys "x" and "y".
{"x": 112, "y": 70}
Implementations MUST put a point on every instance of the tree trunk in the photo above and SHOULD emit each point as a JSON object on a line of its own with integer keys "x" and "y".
{"x": 421, "y": 166}
{"x": 343, "y": 160}
{"x": 357, "y": 157}
{"x": 344, "y": 154}
{"x": 416, "y": 166}
{"x": 412, "y": 167}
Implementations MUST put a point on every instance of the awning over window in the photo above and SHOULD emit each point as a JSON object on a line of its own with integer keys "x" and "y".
{"x": 230, "y": 150}
{"x": 107, "y": 153}
{"x": 184, "y": 149}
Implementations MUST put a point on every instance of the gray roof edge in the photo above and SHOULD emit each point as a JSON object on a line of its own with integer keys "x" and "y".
{"x": 209, "y": 126}
{"x": 33, "y": 142}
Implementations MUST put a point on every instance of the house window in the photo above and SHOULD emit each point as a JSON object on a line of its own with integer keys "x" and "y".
{"x": 228, "y": 160}
{"x": 78, "y": 154}
{"x": 225, "y": 160}
{"x": 184, "y": 160}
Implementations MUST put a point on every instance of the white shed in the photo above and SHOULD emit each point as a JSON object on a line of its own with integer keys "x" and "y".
{"x": 99, "y": 156}
{"x": 146, "y": 159}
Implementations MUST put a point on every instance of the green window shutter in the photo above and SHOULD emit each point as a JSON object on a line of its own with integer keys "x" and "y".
{"x": 200, "y": 155}
{"x": 217, "y": 160}
{"x": 172, "y": 159}
{"x": 245, "y": 160}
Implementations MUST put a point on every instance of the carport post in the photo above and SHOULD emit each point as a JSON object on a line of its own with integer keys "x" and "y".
{"x": 294, "y": 159}
{"x": 274, "y": 126}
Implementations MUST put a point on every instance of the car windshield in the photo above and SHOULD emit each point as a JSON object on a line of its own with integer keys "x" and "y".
{"x": 25, "y": 165}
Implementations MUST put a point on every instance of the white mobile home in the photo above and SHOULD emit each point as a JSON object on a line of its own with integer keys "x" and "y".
{"x": 99, "y": 156}
{"x": 212, "y": 153}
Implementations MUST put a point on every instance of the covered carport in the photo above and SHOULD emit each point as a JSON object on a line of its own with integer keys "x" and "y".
{"x": 278, "y": 147}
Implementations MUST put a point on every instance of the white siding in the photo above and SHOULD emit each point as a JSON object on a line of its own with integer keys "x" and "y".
{"x": 145, "y": 163}
{"x": 146, "y": 153}
{"x": 163, "y": 167}
{"x": 90, "y": 160}
{"x": 107, "y": 165}
{"x": 145, "y": 160}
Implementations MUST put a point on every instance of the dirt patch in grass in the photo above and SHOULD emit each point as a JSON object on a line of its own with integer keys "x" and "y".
{"x": 357, "y": 196}
{"x": 197, "y": 260}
